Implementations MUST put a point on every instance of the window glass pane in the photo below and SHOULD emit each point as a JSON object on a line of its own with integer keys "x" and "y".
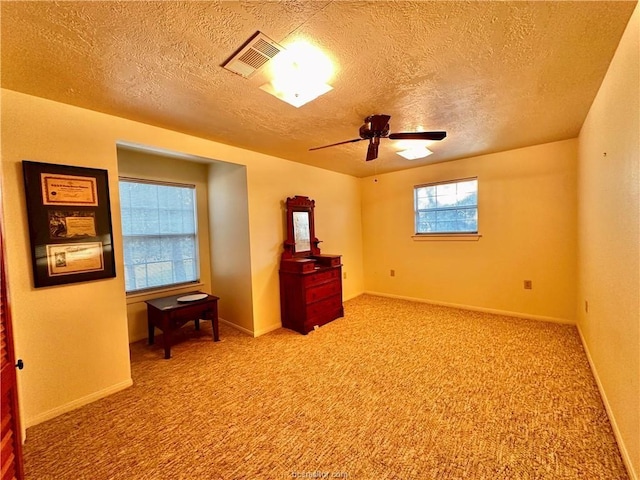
{"x": 143, "y": 194}
{"x": 129, "y": 276}
{"x": 445, "y": 189}
{"x": 159, "y": 234}
{"x": 469, "y": 186}
{"x": 139, "y": 277}
{"x": 470, "y": 198}
{"x": 449, "y": 207}
{"x": 424, "y": 203}
{"x": 446, "y": 200}
{"x": 126, "y": 220}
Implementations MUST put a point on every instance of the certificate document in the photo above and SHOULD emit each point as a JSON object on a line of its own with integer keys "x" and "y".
{"x": 74, "y": 258}
{"x": 69, "y": 224}
{"x": 60, "y": 189}
{"x": 81, "y": 226}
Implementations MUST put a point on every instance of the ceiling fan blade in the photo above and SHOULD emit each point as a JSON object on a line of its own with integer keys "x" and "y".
{"x": 418, "y": 136}
{"x": 339, "y": 143}
{"x": 372, "y": 151}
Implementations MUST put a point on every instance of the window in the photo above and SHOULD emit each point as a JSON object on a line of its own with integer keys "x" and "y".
{"x": 447, "y": 207}
{"x": 159, "y": 234}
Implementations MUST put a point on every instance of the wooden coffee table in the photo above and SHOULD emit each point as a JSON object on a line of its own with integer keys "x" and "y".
{"x": 169, "y": 315}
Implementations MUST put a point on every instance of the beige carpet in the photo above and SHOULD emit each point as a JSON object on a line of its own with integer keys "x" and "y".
{"x": 395, "y": 390}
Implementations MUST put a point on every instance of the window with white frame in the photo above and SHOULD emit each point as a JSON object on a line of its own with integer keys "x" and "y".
{"x": 159, "y": 230}
{"x": 446, "y": 207}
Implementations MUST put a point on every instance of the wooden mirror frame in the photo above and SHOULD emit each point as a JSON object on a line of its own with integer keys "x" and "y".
{"x": 295, "y": 206}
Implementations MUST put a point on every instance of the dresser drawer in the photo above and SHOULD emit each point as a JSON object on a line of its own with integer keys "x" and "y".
{"x": 324, "y": 308}
{"x": 323, "y": 312}
{"x": 322, "y": 291}
{"x": 321, "y": 276}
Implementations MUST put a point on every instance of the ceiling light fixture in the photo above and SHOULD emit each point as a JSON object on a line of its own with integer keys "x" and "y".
{"x": 297, "y": 95}
{"x": 299, "y": 74}
{"x": 415, "y": 153}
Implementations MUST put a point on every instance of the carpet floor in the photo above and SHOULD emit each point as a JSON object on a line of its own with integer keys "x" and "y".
{"x": 394, "y": 390}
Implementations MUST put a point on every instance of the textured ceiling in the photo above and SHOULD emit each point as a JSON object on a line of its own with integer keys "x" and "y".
{"x": 494, "y": 75}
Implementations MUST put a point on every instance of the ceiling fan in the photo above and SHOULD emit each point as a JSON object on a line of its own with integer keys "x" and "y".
{"x": 376, "y": 127}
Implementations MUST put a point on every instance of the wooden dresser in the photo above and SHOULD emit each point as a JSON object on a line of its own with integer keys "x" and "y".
{"x": 310, "y": 292}
{"x": 310, "y": 282}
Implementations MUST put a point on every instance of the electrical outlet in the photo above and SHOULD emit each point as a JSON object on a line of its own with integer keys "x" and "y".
{"x": 344, "y": 275}
{"x": 528, "y": 284}
{"x": 586, "y": 306}
{"x": 392, "y": 273}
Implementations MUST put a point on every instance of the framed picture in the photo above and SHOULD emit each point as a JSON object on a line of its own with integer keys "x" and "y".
{"x": 69, "y": 223}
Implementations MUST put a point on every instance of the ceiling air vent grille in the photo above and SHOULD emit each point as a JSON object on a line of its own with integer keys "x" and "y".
{"x": 255, "y": 52}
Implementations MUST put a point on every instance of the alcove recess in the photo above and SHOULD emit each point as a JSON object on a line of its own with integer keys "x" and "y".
{"x": 310, "y": 282}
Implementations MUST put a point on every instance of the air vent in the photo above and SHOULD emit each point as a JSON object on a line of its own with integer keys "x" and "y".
{"x": 252, "y": 56}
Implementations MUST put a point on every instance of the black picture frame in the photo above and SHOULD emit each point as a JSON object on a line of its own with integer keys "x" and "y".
{"x": 69, "y": 215}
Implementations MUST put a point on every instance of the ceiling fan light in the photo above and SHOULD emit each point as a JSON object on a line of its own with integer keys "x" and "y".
{"x": 415, "y": 153}
{"x": 412, "y": 144}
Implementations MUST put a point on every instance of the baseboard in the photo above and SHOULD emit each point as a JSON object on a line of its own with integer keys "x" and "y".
{"x": 476, "y": 309}
{"x": 48, "y": 415}
{"x": 235, "y": 326}
{"x": 270, "y": 328}
{"x": 626, "y": 458}
{"x": 351, "y": 297}
{"x": 257, "y": 333}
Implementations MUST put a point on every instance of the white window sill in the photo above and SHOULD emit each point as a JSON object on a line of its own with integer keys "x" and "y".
{"x": 151, "y": 294}
{"x": 449, "y": 237}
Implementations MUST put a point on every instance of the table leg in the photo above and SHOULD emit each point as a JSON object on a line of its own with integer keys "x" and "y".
{"x": 166, "y": 337}
{"x": 197, "y": 323}
{"x": 214, "y": 322}
{"x": 152, "y": 331}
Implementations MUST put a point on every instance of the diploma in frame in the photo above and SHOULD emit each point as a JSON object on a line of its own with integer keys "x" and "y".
{"x": 68, "y": 190}
{"x": 69, "y": 223}
{"x": 70, "y": 258}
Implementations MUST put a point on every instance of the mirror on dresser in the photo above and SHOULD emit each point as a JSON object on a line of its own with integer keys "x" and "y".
{"x": 310, "y": 282}
{"x": 301, "y": 238}
{"x": 301, "y": 232}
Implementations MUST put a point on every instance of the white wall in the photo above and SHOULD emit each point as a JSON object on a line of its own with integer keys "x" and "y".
{"x": 337, "y": 224}
{"x": 231, "y": 244}
{"x": 527, "y": 219}
{"x": 609, "y": 241}
{"x": 74, "y": 339}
